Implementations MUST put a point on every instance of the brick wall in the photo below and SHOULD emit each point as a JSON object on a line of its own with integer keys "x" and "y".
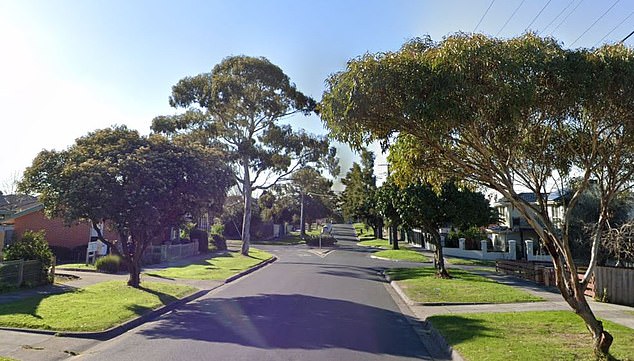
{"x": 57, "y": 234}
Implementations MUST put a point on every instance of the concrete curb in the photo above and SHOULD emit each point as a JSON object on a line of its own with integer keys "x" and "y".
{"x": 133, "y": 323}
{"x": 425, "y": 330}
{"x": 396, "y": 260}
{"x": 250, "y": 270}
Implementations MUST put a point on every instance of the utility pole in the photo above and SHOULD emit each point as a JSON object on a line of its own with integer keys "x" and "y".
{"x": 625, "y": 38}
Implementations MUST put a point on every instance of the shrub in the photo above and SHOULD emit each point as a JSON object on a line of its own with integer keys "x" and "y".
{"x": 326, "y": 241}
{"x": 217, "y": 228}
{"x": 219, "y": 242}
{"x": 108, "y": 264}
{"x": 32, "y": 246}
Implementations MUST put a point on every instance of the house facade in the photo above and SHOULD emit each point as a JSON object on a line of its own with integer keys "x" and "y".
{"x": 20, "y": 213}
{"x": 513, "y": 226}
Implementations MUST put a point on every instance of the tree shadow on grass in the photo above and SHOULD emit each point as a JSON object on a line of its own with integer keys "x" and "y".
{"x": 291, "y": 322}
{"x": 27, "y": 302}
{"x": 163, "y": 297}
{"x": 458, "y": 329}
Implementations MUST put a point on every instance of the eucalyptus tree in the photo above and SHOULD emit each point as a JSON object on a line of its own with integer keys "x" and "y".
{"x": 501, "y": 113}
{"x": 138, "y": 186}
{"x": 388, "y": 197}
{"x": 238, "y": 107}
{"x": 358, "y": 200}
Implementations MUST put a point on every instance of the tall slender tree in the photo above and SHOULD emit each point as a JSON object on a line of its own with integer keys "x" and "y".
{"x": 359, "y": 197}
{"x": 238, "y": 106}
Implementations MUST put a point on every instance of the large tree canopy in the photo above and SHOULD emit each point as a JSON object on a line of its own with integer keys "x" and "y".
{"x": 501, "y": 113}
{"x": 421, "y": 206}
{"x": 237, "y": 106}
{"x": 137, "y": 185}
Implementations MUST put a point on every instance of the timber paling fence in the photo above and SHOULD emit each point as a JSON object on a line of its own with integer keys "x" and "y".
{"x": 163, "y": 253}
{"x": 21, "y": 272}
{"x": 615, "y": 285}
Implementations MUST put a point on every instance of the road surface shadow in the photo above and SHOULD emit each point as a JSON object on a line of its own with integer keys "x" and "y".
{"x": 292, "y": 322}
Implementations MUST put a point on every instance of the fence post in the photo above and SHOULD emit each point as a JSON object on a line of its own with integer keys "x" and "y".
{"x": 20, "y": 272}
{"x": 512, "y": 249}
{"x": 529, "y": 249}
{"x": 53, "y": 263}
{"x": 483, "y": 246}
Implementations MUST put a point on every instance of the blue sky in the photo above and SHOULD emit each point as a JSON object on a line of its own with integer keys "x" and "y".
{"x": 70, "y": 67}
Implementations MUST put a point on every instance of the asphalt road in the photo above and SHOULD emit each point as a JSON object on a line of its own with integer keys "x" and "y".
{"x": 309, "y": 305}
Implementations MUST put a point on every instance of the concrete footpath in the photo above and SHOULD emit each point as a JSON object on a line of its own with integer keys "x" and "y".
{"x": 622, "y": 315}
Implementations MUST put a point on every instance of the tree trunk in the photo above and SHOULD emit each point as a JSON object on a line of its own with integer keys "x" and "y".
{"x": 302, "y": 220}
{"x": 135, "y": 273}
{"x": 439, "y": 258}
{"x": 394, "y": 230}
{"x": 572, "y": 290}
{"x": 246, "y": 224}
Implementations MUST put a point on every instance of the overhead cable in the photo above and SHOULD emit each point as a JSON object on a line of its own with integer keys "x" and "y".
{"x": 483, "y": 15}
{"x": 596, "y": 21}
{"x": 566, "y": 17}
{"x": 557, "y": 17}
{"x": 538, "y": 14}
{"x": 510, "y": 17}
{"x": 625, "y": 38}
{"x": 614, "y": 28}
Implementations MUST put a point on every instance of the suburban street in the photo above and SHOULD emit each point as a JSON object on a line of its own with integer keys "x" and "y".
{"x": 309, "y": 305}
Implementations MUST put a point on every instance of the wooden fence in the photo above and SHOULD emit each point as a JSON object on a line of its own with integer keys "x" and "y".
{"x": 615, "y": 285}
{"x": 158, "y": 254}
{"x": 18, "y": 273}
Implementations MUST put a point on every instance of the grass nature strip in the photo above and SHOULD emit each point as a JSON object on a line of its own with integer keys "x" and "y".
{"x": 94, "y": 308}
{"x": 421, "y": 285}
{"x": 218, "y": 267}
{"x": 402, "y": 255}
{"x": 543, "y": 335}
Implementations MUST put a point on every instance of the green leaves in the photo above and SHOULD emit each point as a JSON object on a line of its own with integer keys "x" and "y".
{"x": 138, "y": 184}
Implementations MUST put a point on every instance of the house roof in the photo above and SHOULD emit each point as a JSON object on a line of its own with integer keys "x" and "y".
{"x": 15, "y": 205}
{"x": 531, "y": 197}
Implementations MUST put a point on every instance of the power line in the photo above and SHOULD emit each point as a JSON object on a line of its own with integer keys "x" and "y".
{"x": 558, "y": 15}
{"x": 625, "y": 38}
{"x": 485, "y": 14}
{"x": 596, "y": 21}
{"x": 566, "y": 17}
{"x": 538, "y": 14}
{"x": 614, "y": 28}
{"x": 510, "y": 17}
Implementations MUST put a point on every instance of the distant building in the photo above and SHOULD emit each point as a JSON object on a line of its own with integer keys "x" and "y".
{"x": 513, "y": 226}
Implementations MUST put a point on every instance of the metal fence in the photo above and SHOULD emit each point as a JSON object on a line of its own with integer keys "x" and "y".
{"x": 19, "y": 273}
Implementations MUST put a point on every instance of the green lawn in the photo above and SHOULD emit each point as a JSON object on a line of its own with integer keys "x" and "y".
{"x": 548, "y": 335}
{"x": 289, "y": 239}
{"x": 378, "y": 243}
{"x": 218, "y": 267}
{"x": 79, "y": 266}
{"x": 6, "y": 359}
{"x": 469, "y": 262}
{"x": 94, "y": 308}
{"x": 402, "y": 255}
{"x": 421, "y": 285}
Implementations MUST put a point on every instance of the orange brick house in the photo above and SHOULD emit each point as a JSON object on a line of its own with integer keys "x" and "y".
{"x": 21, "y": 213}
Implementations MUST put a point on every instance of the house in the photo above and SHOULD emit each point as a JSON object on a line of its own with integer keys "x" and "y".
{"x": 512, "y": 226}
{"x": 19, "y": 213}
